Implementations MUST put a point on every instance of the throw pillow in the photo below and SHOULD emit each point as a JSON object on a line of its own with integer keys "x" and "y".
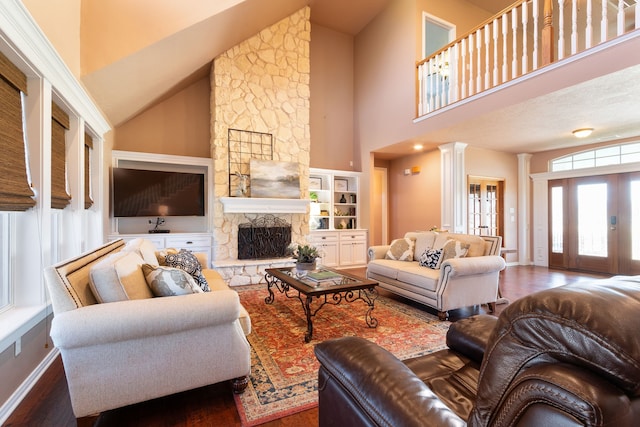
{"x": 430, "y": 258}
{"x": 401, "y": 249}
{"x": 454, "y": 249}
{"x": 167, "y": 281}
{"x": 188, "y": 262}
{"x": 162, "y": 254}
{"x": 118, "y": 277}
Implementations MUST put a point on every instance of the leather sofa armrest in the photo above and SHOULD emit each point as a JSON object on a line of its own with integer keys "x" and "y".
{"x": 377, "y": 252}
{"x": 470, "y": 336}
{"x": 126, "y": 320}
{"x": 381, "y": 389}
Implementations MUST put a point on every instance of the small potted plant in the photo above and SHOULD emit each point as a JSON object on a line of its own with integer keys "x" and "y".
{"x": 305, "y": 256}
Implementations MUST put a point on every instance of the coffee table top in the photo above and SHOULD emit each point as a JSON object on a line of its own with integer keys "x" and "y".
{"x": 330, "y": 280}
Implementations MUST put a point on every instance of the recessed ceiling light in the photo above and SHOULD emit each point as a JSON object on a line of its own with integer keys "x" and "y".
{"x": 582, "y": 133}
{"x": 417, "y": 147}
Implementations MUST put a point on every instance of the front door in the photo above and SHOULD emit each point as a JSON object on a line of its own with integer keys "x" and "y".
{"x": 594, "y": 223}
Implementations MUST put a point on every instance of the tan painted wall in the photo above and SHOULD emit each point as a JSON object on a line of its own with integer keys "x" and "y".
{"x": 414, "y": 200}
{"x": 332, "y": 100}
{"x": 179, "y": 125}
{"x": 61, "y": 24}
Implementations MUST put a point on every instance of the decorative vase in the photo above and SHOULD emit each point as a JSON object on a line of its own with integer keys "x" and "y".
{"x": 306, "y": 266}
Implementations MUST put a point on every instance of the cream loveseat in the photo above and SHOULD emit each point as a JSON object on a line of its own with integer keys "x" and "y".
{"x": 138, "y": 347}
{"x": 465, "y": 273}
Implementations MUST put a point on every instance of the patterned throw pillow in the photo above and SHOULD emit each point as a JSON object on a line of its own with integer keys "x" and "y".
{"x": 401, "y": 249}
{"x": 430, "y": 258}
{"x": 168, "y": 281}
{"x": 454, "y": 249}
{"x": 188, "y": 262}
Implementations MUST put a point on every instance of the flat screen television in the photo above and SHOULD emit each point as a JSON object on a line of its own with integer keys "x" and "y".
{"x": 138, "y": 192}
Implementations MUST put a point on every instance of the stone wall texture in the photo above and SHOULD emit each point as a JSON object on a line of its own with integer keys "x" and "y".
{"x": 262, "y": 85}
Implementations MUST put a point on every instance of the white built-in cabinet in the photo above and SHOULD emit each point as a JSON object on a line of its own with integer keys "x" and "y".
{"x": 335, "y": 217}
{"x": 195, "y": 242}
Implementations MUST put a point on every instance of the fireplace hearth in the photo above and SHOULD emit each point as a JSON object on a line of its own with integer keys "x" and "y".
{"x": 264, "y": 237}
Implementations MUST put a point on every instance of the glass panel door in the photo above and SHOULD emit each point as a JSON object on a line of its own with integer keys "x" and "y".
{"x": 628, "y": 224}
{"x": 484, "y": 207}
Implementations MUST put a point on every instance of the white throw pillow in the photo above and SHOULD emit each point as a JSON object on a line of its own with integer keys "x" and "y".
{"x": 168, "y": 281}
{"x": 401, "y": 249}
{"x": 119, "y": 278}
{"x": 144, "y": 248}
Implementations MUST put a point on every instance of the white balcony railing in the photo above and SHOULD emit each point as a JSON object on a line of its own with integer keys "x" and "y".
{"x": 517, "y": 41}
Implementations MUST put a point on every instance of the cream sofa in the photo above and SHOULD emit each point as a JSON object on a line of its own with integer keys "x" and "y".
{"x": 455, "y": 283}
{"x": 140, "y": 347}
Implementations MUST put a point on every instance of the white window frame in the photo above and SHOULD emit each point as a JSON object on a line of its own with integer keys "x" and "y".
{"x": 427, "y": 19}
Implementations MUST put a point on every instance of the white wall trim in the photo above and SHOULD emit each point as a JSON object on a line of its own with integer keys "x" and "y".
{"x": 21, "y": 392}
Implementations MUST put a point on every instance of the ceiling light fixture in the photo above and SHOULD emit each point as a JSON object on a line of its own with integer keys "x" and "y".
{"x": 582, "y": 133}
{"x": 417, "y": 147}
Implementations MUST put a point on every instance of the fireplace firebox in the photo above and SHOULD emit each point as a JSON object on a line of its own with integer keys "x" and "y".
{"x": 264, "y": 237}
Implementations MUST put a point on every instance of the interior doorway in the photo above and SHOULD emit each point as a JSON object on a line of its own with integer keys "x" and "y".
{"x": 594, "y": 223}
{"x": 485, "y": 206}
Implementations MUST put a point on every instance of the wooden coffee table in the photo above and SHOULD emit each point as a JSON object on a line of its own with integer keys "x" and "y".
{"x": 315, "y": 295}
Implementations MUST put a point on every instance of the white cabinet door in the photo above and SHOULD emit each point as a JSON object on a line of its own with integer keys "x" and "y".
{"x": 353, "y": 248}
{"x": 327, "y": 244}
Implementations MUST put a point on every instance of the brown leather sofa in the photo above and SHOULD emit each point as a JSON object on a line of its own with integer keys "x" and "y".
{"x": 568, "y": 356}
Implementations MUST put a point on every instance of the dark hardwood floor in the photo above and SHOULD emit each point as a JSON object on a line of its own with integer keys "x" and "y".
{"x": 48, "y": 402}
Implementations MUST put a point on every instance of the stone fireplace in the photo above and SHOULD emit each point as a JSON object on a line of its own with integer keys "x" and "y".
{"x": 261, "y": 85}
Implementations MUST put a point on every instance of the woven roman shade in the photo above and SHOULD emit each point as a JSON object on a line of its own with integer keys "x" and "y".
{"x": 15, "y": 192}
{"x": 59, "y": 126}
{"x": 88, "y": 146}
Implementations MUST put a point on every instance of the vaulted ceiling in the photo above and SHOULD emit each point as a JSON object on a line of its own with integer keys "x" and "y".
{"x": 119, "y": 79}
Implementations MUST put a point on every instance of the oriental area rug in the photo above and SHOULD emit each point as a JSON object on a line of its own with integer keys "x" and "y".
{"x": 284, "y": 369}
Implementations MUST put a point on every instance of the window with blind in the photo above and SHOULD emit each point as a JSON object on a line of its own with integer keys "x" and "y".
{"x": 15, "y": 191}
{"x": 88, "y": 148}
{"x": 59, "y": 126}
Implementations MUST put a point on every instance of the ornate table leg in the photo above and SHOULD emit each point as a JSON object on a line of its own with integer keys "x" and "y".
{"x": 307, "y": 311}
{"x": 369, "y": 296}
{"x": 270, "y": 283}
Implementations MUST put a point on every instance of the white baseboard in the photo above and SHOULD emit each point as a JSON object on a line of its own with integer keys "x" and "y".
{"x": 21, "y": 392}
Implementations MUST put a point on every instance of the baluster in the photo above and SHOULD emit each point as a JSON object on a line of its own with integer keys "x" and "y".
{"x": 588, "y": 37}
{"x": 432, "y": 76}
{"x": 487, "y": 60}
{"x": 604, "y": 25}
{"x": 561, "y": 29}
{"x": 574, "y": 26}
{"x": 514, "y": 29}
{"x": 536, "y": 30}
{"x": 479, "y": 58}
{"x": 470, "y": 84}
{"x": 621, "y": 17}
{"x": 463, "y": 68}
{"x": 637, "y": 16}
{"x": 420, "y": 90}
{"x": 495, "y": 52}
{"x": 454, "y": 60}
{"x": 436, "y": 81}
{"x": 505, "y": 68}
{"x": 525, "y": 49}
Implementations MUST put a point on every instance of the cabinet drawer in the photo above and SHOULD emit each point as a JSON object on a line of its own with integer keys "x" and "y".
{"x": 356, "y": 235}
{"x": 323, "y": 238}
{"x": 187, "y": 242}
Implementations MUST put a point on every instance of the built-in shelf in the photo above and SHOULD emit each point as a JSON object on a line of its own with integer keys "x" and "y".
{"x": 263, "y": 205}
